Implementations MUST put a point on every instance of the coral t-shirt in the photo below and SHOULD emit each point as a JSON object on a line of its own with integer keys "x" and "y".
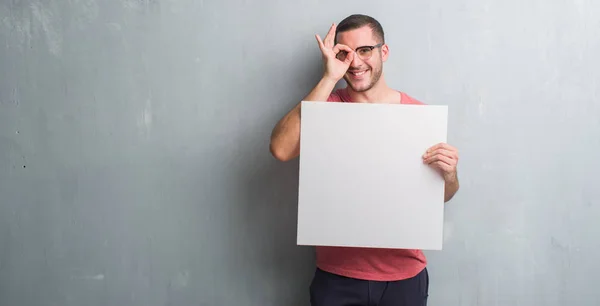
{"x": 377, "y": 264}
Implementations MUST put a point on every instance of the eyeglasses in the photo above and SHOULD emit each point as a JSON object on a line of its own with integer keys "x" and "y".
{"x": 364, "y": 52}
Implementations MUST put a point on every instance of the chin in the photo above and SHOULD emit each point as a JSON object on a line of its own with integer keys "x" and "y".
{"x": 360, "y": 87}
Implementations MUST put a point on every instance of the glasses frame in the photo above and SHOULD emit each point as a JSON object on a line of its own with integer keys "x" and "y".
{"x": 345, "y": 53}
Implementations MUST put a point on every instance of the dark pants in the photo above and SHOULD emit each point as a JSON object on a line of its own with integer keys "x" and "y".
{"x": 327, "y": 289}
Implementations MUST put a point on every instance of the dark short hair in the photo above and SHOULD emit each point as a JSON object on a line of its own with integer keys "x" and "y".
{"x": 356, "y": 21}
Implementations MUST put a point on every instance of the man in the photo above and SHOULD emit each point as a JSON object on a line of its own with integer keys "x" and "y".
{"x": 356, "y": 50}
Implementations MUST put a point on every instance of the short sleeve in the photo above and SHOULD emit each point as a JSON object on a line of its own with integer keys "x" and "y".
{"x": 406, "y": 99}
{"x": 334, "y": 97}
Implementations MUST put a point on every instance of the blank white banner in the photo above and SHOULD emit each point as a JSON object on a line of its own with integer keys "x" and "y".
{"x": 362, "y": 179}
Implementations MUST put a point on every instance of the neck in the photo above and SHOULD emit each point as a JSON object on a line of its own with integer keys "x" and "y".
{"x": 378, "y": 93}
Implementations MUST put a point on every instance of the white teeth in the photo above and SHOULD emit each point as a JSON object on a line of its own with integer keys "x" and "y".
{"x": 359, "y": 73}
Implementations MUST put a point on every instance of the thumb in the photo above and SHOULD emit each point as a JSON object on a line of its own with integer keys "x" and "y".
{"x": 349, "y": 57}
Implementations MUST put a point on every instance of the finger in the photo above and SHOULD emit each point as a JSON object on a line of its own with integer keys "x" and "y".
{"x": 349, "y": 58}
{"x": 343, "y": 48}
{"x": 440, "y": 158}
{"x": 330, "y": 35}
{"x": 320, "y": 42}
{"x": 441, "y": 162}
{"x": 441, "y": 146}
{"x": 448, "y": 153}
{"x": 340, "y": 47}
{"x": 445, "y": 168}
{"x": 435, "y": 147}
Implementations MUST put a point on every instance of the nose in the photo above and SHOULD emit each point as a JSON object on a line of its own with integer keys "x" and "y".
{"x": 356, "y": 61}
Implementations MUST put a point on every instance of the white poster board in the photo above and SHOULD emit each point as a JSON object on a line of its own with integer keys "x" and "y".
{"x": 362, "y": 179}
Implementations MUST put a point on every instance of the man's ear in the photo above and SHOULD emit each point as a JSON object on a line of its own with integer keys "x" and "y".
{"x": 385, "y": 52}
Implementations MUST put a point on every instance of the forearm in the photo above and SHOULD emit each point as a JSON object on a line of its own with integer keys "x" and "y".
{"x": 322, "y": 90}
{"x": 285, "y": 138}
{"x": 451, "y": 187}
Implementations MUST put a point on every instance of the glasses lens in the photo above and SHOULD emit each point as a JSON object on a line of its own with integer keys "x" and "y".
{"x": 364, "y": 53}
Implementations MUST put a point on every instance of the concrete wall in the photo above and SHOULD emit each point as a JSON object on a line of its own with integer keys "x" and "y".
{"x": 134, "y": 164}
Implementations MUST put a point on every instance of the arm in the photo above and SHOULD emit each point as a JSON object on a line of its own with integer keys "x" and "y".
{"x": 444, "y": 157}
{"x": 450, "y": 188}
{"x": 285, "y": 137}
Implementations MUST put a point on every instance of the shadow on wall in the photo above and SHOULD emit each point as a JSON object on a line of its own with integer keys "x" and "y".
{"x": 267, "y": 216}
{"x": 267, "y": 222}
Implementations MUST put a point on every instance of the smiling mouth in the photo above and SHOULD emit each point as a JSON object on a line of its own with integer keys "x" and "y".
{"x": 357, "y": 74}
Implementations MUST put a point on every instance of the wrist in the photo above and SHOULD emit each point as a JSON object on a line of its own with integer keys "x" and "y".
{"x": 328, "y": 80}
{"x": 451, "y": 178}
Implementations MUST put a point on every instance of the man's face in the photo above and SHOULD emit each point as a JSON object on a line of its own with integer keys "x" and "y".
{"x": 367, "y": 66}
